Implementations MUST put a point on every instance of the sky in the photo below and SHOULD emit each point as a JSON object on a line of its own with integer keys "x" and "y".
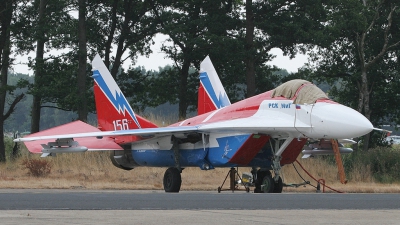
{"x": 158, "y": 59}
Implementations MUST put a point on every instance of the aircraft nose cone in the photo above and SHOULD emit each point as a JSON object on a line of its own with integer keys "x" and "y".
{"x": 338, "y": 121}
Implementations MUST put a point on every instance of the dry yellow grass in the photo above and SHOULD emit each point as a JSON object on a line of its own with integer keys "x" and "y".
{"x": 94, "y": 170}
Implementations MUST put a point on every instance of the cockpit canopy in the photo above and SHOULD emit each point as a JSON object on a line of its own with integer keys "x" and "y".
{"x": 301, "y": 91}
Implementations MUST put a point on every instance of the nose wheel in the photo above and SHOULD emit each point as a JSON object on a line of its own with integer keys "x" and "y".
{"x": 265, "y": 183}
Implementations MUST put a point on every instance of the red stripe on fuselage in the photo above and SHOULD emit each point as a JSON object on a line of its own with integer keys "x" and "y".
{"x": 249, "y": 149}
{"x": 292, "y": 151}
{"x": 241, "y": 109}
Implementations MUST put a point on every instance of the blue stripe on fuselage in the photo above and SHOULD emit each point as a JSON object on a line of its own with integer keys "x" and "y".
{"x": 215, "y": 156}
{"x": 165, "y": 158}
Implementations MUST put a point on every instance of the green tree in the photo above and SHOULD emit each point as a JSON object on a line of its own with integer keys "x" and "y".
{"x": 19, "y": 120}
{"x": 192, "y": 27}
{"x": 44, "y": 26}
{"x": 39, "y": 64}
{"x": 128, "y": 29}
{"x": 7, "y": 10}
{"x": 362, "y": 57}
{"x": 288, "y": 25}
{"x": 82, "y": 58}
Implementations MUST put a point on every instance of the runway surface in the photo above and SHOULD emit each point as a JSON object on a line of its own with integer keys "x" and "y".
{"x": 194, "y": 207}
{"x": 189, "y": 200}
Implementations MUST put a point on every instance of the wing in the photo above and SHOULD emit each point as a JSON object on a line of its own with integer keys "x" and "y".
{"x": 247, "y": 125}
{"x": 147, "y": 132}
{"x": 98, "y": 140}
{"x": 84, "y": 135}
{"x": 35, "y": 140}
{"x": 63, "y": 138}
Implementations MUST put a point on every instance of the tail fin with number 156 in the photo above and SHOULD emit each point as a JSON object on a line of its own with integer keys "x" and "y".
{"x": 113, "y": 110}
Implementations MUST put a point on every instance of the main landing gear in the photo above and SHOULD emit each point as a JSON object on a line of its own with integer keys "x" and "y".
{"x": 172, "y": 177}
{"x": 265, "y": 183}
{"x": 172, "y": 180}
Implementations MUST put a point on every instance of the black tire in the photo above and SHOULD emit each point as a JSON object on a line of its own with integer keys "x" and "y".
{"x": 260, "y": 177}
{"x": 172, "y": 180}
{"x": 268, "y": 184}
{"x": 278, "y": 187}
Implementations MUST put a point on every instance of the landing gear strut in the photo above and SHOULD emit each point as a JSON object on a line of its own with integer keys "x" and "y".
{"x": 264, "y": 181}
{"x": 172, "y": 180}
{"x": 172, "y": 177}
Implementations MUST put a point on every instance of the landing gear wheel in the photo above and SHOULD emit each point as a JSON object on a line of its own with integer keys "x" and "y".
{"x": 278, "y": 187}
{"x": 268, "y": 184}
{"x": 247, "y": 189}
{"x": 172, "y": 180}
{"x": 260, "y": 177}
{"x": 219, "y": 189}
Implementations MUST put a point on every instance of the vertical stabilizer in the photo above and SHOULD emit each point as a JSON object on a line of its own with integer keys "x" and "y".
{"x": 113, "y": 110}
{"x": 212, "y": 94}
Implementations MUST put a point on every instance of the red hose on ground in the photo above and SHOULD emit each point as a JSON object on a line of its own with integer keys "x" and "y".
{"x": 316, "y": 179}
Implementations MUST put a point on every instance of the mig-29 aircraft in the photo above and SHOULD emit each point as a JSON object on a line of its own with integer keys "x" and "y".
{"x": 264, "y": 132}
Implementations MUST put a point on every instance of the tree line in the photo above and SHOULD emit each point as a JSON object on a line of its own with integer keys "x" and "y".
{"x": 353, "y": 46}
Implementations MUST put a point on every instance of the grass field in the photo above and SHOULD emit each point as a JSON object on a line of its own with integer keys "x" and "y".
{"x": 94, "y": 170}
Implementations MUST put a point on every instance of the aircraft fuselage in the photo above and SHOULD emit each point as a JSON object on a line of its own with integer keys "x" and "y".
{"x": 270, "y": 119}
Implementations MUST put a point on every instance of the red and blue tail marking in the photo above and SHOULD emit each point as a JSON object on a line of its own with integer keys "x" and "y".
{"x": 211, "y": 95}
{"x": 113, "y": 110}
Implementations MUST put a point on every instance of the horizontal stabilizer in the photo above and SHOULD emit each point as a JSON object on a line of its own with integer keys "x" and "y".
{"x": 92, "y": 143}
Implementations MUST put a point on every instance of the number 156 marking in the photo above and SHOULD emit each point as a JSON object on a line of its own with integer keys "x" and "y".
{"x": 121, "y": 124}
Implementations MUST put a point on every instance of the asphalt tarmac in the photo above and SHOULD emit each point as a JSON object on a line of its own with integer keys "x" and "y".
{"x": 197, "y": 207}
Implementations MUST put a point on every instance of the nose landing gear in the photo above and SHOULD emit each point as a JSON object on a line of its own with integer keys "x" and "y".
{"x": 265, "y": 183}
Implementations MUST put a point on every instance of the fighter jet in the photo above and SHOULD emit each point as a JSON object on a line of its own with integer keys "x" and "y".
{"x": 264, "y": 132}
